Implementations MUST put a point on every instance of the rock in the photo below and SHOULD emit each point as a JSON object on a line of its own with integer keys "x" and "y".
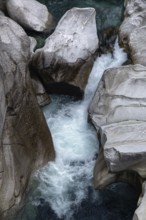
{"x": 30, "y": 14}
{"x": 118, "y": 111}
{"x": 129, "y": 24}
{"x": 25, "y": 140}
{"x": 140, "y": 212}
{"x": 33, "y": 44}
{"x": 64, "y": 63}
{"x": 137, "y": 46}
{"x": 132, "y": 31}
{"x": 120, "y": 92}
{"x": 124, "y": 146}
{"x": 42, "y": 96}
{"x": 132, "y": 7}
{"x": 103, "y": 178}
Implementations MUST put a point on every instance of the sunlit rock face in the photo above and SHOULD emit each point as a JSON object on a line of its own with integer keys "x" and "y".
{"x": 30, "y": 14}
{"x": 132, "y": 31}
{"x": 67, "y": 56}
{"x": 118, "y": 113}
{"x": 25, "y": 141}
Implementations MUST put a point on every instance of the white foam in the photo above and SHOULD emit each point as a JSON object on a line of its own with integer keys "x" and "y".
{"x": 64, "y": 182}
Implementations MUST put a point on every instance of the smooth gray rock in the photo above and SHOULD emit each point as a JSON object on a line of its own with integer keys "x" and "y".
{"x": 30, "y": 14}
{"x": 33, "y": 44}
{"x": 121, "y": 96}
{"x": 124, "y": 146}
{"x": 67, "y": 56}
{"x": 25, "y": 140}
{"x": 132, "y": 31}
{"x": 137, "y": 44}
{"x": 118, "y": 111}
{"x": 136, "y": 20}
{"x": 103, "y": 178}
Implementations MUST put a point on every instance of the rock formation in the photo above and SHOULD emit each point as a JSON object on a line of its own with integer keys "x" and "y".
{"x": 25, "y": 141}
{"x": 30, "y": 14}
{"x": 132, "y": 31}
{"x": 64, "y": 63}
{"x": 42, "y": 96}
{"x": 118, "y": 111}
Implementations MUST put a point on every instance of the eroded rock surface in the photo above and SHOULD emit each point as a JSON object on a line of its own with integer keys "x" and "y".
{"x": 30, "y": 14}
{"x": 25, "y": 141}
{"x": 67, "y": 56}
{"x": 132, "y": 31}
{"x": 42, "y": 96}
{"x": 118, "y": 111}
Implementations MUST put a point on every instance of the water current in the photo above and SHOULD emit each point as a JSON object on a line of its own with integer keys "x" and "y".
{"x": 62, "y": 190}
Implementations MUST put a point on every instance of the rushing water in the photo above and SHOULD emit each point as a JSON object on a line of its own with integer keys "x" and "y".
{"x": 62, "y": 190}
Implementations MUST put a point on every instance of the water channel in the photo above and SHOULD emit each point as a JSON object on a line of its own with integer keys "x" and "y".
{"x": 62, "y": 190}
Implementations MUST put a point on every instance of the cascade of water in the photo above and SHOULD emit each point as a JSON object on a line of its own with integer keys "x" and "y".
{"x": 64, "y": 183}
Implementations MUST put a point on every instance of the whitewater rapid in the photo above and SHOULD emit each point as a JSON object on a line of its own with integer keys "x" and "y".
{"x": 64, "y": 183}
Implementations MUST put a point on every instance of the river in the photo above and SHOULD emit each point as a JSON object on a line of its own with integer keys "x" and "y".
{"x": 62, "y": 190}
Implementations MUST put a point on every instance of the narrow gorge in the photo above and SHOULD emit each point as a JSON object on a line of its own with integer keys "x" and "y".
{"x": 72, "y": 113}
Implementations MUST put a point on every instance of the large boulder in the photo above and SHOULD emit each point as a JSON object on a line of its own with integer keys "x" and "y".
{"x": 132, "y": 30}
{"x": 118, "y": 111}
{"x": 64, "y": 63}
{"x": 25, "y": 140}
{"x": 30, "y": 14}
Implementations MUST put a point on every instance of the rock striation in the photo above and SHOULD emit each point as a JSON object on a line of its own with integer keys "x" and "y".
{"x": 30, "y": 14}
{"x": 25, "y": 140}
{"x": 64, "y": 63}
{"x": 118, "y": 111}
{"x": 133, "y": 29}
